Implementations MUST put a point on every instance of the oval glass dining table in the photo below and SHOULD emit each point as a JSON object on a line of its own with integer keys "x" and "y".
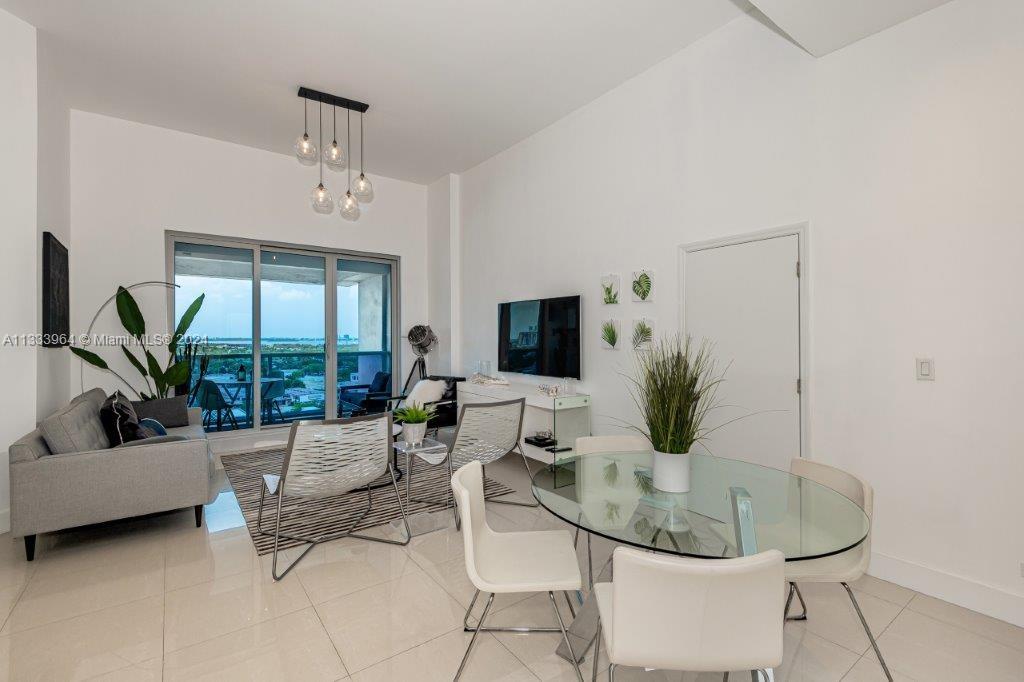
{"x": 733, "y": 508}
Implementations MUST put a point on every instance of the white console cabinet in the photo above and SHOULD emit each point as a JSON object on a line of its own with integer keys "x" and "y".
{"x": 566, "y": 416}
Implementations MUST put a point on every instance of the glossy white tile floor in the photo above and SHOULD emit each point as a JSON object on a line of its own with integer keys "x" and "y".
{"x": 157, "y": 598}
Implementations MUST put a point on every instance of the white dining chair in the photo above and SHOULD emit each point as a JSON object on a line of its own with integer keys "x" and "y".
{"x": 498, "y": 563}
{"x": 596, "y": 445}
{"x": 698, "y": 615}
{"x": 326, "y": 458}
{"x": 845, "y": 567}
{"x": 485, "y": 433}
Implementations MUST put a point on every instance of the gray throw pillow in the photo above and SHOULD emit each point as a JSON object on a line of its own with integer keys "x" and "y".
{"x": 76, "y": 428}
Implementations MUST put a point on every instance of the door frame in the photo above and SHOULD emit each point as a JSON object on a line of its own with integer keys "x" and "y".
{"x": 802, "y": 232}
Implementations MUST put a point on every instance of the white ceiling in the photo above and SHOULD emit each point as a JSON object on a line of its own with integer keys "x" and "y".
{"x": 450, "y": 82}
{"x": 823, "y": 26}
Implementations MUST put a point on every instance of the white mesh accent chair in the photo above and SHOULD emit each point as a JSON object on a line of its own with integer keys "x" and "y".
{"x": 486, "y": 432}
{"x": 332, "y": 457}
{"x": 845, "y": 567}
{"x": 699, "y": 615}
{"x": 497, "y": 563}
{"x": 596, "y": 445}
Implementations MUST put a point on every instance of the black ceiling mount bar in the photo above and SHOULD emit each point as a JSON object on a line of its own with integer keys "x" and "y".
{"x": 333, "y": 100}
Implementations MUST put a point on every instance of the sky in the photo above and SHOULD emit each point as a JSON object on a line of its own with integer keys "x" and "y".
{"x": 288, "y": 310}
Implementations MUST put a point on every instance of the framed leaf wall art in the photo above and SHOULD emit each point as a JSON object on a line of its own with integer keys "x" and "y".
{"x": 642, "y": 286}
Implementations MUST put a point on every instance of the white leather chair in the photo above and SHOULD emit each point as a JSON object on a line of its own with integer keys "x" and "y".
{"x": 596, "y": 445}
{"x": 331, "y": 457}
{"x": 699, "y": 615}
{"x": 842, "y": 568}
{"x": 531, "y": 561}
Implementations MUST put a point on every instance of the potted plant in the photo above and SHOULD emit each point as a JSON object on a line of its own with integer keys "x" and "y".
{"x": 160, "y": 381}
{"x": 674, "y": 387}
{"x": 414, "y": 418}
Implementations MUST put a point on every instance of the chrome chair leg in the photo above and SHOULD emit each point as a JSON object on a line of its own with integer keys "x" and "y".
{"x": 476, "y": 632}
{"x": 874, "y": 644}
{"x": 565, "y": 636}
{"x": 794, "y": 589}
{"x": 529, "y": 474}
{"x": 466, "y": 627}
{"x": 568, "y": 602}
{"x": 597, "y": 651}
{"x": 590, "y": 563}
{"x": 611, "y": 672}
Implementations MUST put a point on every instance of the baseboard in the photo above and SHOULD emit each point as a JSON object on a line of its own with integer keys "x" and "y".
{"x": 5, "y": 520}
{"x": 956, "y": 589}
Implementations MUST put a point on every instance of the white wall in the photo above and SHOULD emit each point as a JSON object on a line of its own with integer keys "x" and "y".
{"x": 442, "y": 252}
{"x": 53, "y": 210}
{"x": 19, "y": 277}
{"x": 131, "y": 182}
{"x": 903, "y": 151}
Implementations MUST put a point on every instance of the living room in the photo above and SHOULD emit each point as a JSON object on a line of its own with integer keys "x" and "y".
{"x": 823, "y": 193}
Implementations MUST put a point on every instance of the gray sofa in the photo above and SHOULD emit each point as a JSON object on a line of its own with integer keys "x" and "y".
{"x": 90, "y": 482}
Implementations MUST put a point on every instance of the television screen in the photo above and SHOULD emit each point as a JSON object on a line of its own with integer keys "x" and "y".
{"x": 540, "y": 337}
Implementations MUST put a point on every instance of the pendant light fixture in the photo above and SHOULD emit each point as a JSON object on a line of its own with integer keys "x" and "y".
{"x": 334, "y": 156}
{"x": 321, "y": 197}
{"x": 363, "y": 189}
{"x": 305, "y": 150}
{"x": 349, "y": 204}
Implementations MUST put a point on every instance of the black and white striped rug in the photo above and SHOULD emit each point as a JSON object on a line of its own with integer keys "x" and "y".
{"x": 331, "y": 515}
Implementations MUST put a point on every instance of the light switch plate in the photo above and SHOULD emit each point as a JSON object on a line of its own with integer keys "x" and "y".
{"x": 925, "y": 369}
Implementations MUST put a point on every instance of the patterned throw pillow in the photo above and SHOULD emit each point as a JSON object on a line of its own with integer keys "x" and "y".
{"x": 120, "y": 421}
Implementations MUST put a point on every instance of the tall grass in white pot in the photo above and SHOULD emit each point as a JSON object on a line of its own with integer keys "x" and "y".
{"x": 674, "y": 386}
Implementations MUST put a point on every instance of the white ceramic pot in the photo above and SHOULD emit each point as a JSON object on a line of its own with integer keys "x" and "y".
{"x": 672, "y": 472}
{"x": 413, "y": 433}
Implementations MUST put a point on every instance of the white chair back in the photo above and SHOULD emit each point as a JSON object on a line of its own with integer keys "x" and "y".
{"x": 487, "y": 432}
{"x": 676, "y": 613}
{"x": 593, "y": 445}
{"x": 335, "y": 456}
{"x": 847, "y": 484}
{"x": 468, "y": 486}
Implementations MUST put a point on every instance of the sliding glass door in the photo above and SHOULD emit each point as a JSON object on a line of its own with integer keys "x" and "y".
{"x": 280, "y": 325}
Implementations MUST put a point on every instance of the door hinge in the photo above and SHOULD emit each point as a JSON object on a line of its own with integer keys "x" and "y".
{"x": 798, "y": 268}
{"x": 799, "y": 386}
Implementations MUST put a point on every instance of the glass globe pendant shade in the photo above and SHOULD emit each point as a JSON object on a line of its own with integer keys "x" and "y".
{"x": 363, "y": 189}
{"x": 334, "y": 157}
{"x": 321, "y": 199}
{"x": 349, "y": 207}
{"x": 305, "y": 150}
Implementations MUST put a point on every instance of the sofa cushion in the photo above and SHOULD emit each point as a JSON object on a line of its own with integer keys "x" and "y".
{"x": 96, "y": 396}
{"x": 171, "y": 412}
{"x": 76, "y": 428}
{"x": 192, "y": 432}
{"x": 152, "y": 440}
{"x": 120, "y": 422}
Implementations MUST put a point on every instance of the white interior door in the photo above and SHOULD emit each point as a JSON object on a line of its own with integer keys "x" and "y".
{"x": 745, "y": 299}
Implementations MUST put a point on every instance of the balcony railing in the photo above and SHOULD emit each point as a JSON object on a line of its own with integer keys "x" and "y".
{"x": 292, "y": 385}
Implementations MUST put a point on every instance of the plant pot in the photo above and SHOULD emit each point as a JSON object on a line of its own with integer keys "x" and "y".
{"x": 413, "y": 433}
{"x": 671, "y": 472}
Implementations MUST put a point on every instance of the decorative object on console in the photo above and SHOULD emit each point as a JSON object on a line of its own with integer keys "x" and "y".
{"x": 643, "y": 333}
{"x": 610, "y": 334}
{"x": 56, "y": 307}
{"x": 675, "y": 387}
{"x": 487, "y": 380}
{"x": 643, "y": 285}
{"x": 164, "y": 379}
{"x": 610, "y": 289}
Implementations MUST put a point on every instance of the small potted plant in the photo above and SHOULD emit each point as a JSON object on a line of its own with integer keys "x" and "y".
{"x": 414, "y": 418}
{"x": 674, "y": 387}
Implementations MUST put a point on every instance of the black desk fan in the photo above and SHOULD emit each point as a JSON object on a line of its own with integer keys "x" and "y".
{"x": 422, "y": 338}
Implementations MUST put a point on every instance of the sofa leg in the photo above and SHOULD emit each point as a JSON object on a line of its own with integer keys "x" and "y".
{"x": 199, "y": 518}
{"x": 30, "y": 547}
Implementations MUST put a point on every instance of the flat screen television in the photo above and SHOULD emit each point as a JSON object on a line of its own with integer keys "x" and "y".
{"x": 540, "y": 337}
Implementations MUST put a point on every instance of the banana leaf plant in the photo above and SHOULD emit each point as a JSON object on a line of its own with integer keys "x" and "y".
{"x": 159, "y": 380}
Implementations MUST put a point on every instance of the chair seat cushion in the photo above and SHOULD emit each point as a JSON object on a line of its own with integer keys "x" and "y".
{"x": 533, "y": 561}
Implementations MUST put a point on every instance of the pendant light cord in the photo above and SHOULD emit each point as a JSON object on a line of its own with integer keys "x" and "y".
{"x": 334, "y": 111}
{"x": 348, "y": 133}
{"x": 362, "y": 136}
{"x": 321, "y": 147}
{"x": 305, "y": 117}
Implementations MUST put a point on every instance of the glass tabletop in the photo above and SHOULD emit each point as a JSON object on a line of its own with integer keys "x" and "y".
{"x": 733, "y": 507}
